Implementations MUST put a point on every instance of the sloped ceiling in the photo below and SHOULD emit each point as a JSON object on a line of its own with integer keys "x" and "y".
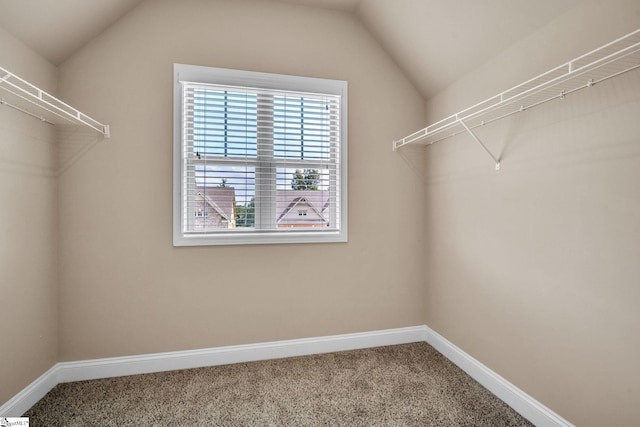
{"x": 57, "y": 28}
{"x": 434, "y": 42}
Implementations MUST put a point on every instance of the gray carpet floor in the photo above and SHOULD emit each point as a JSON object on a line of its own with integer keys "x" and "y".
{"x": 403, "y": 385}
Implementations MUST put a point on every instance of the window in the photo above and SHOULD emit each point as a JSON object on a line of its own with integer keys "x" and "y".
{"x": 258, "y": 158}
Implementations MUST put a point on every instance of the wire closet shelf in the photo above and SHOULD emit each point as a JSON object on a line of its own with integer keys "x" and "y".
{"x": 21, "y": 95}
{"x": 610, "y": 60}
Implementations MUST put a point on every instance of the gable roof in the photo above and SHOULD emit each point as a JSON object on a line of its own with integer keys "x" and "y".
{"x": 287, "y": 200}
{"x": 221, "y": 199}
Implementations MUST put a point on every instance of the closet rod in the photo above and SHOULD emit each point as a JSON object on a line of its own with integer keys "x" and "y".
{"x": 22, "y": 110}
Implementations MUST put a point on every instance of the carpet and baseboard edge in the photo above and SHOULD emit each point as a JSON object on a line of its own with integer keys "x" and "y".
{"x": 63, "y": 372}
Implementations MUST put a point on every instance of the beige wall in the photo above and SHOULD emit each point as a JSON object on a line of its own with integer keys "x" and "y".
{"x": 28, "y": 230}
{"x": 125, "y": 290}
{"x": 534, "y": 270}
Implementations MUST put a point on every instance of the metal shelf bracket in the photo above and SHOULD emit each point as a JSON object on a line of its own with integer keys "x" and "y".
{"x": 473, "y": 135}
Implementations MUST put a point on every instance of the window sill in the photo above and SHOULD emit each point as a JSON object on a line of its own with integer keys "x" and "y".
{"x": 258, "y": 238}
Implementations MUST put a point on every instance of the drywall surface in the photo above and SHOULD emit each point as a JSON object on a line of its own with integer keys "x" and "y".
{"x": 28, "y": 236}
{"x": 533, "y": 270}
{"x": 126, "y": 290}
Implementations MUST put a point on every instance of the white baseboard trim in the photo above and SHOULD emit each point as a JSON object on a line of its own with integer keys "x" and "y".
{"x": 158, "y": 362}
{"x": 170, "y": 361}
{"x": 521, "y": 402}
{"x": 21, "y": 402}
{"x": 63, "y": 372}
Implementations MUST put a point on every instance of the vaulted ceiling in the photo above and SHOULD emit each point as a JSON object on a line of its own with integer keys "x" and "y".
{"x": 434, "y": 42}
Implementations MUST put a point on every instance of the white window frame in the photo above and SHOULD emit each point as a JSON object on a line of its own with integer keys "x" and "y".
{"x": 222, "y": 76}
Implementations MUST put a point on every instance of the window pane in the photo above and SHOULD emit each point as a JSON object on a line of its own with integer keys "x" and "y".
{"x": 220, "y": 197}
{"x": 302, "y": 127}
{"x": 304, "y": 198}
{"x": 224, "y": 123}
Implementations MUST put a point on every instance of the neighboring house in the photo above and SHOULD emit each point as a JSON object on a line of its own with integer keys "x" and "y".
{"x": 302, "y": 208}
{"x": 215, "y": 207}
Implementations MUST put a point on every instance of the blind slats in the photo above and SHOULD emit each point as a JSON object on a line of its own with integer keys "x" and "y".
{"x": 259, "y": 159}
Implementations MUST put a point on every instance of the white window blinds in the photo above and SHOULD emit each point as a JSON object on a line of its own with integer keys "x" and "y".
{"x": 260, "y": 164}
